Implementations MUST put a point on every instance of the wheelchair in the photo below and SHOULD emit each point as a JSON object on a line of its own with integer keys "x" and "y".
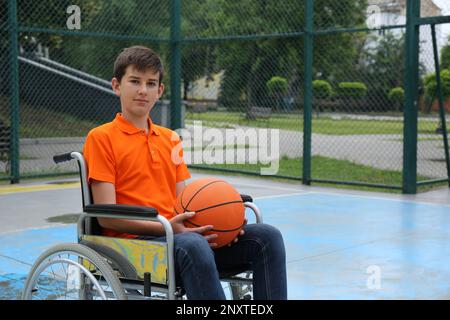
{"x": 103, "y": 268}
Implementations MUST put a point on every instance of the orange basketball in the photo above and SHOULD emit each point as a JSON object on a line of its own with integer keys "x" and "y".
{"x": 216, "y": 203}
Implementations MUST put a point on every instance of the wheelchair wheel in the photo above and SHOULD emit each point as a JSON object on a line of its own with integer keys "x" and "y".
{"x": 72, "y": 272}
{"x": 241, "y": 290}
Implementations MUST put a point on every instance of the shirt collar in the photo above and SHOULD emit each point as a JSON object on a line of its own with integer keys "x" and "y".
{"x": 127, "y": 127}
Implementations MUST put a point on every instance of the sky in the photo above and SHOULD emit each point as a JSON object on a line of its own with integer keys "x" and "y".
{"x": 445, "y": 6}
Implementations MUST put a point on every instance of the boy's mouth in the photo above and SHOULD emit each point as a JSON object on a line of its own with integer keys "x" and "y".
{"x": 141, "y": 100}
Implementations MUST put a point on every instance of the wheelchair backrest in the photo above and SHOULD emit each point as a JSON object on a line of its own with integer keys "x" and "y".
{"x": 91, "y": 225}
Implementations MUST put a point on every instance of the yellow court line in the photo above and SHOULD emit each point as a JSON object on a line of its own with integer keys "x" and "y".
{"x": 16, "y": 189}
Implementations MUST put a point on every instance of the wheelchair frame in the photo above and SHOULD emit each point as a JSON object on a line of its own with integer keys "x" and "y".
{"x": 108, "y": 256}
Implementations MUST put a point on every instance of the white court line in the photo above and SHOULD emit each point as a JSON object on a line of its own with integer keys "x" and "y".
{"x": 265, "y": 186}
{"x": 346, "y": 195}
{"x": 33, "y": 228}
{"x": 378, "y": 198}
{"x": 283, "y": 195}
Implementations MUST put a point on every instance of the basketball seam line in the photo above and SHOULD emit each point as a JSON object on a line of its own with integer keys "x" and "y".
{"x": 218, "y": 205}
{"x": 215, "y": 206}
{"x": 192, "y": 198}
{"x": 217, "y": 230}
{"x": 210, "y": 207}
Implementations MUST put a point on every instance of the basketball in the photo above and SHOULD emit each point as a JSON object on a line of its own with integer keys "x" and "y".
{"x": 216, "y": 203}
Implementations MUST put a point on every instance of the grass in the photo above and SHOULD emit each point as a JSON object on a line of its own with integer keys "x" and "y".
{"x": 322, "y": 125}
{"x": 328, "y": 169}
{"x": 44, "y": 123}
{"x": 322, "y": 168}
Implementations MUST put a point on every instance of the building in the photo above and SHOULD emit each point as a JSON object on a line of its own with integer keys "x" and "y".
{"x": 393, "y": 12}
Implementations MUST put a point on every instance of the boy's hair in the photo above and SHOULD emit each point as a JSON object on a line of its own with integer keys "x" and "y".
{"x": 142, "y": 58}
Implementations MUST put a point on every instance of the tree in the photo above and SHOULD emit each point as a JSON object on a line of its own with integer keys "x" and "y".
{"x": 397, "y": 96}
{"x": 431, "y": 85}
{"x": 277, "y": 87}
{"x": 250, "y": 64}
{"x": 322, "y": 90}
{"x": 95, "y": 55}
{"x": 383, "y": 63}
{"x": 445, "y": 55}
{"x": 198, "y": 60}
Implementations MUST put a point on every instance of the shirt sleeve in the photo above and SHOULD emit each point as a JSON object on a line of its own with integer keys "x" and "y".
{"x": 182, "y": 172}
{"x": 99, "y": 157}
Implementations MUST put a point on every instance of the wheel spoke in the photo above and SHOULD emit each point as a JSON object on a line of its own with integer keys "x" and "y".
{"x": 53, "y": 277}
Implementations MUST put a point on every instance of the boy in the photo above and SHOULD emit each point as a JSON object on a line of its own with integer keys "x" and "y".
{"x": 129, "y": 162}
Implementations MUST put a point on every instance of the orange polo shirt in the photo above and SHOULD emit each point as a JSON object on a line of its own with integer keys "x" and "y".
{"x": 144, "y": 168}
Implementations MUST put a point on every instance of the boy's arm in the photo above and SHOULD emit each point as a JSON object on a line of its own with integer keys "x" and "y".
{"x": 105, "y": 193}
{"x": 180, "y": 186}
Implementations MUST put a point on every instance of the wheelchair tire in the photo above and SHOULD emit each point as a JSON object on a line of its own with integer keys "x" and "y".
{"x": 56, "y": 256}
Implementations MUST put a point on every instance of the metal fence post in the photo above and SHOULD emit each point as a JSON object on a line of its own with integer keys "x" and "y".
{"x": 307, "y": 112}
{"x": 441, "y": 99}
{"x": 14, "y": 91}
{"x": 175, "y": 65}
{"x": 411, "y": 97}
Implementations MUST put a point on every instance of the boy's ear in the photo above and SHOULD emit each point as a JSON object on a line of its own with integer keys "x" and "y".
{"x": 160, "y": 90}
{"x": 115, "y": 84}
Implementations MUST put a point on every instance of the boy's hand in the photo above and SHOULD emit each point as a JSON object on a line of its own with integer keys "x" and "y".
{"x": 179, "y": 227}
{"x": 241, "y": 233}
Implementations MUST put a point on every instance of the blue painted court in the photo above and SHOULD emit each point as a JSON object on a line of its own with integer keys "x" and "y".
{"x": 338, "y": 246}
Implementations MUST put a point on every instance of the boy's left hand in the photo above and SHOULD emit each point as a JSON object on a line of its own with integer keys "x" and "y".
{"x": 241, "y": 233}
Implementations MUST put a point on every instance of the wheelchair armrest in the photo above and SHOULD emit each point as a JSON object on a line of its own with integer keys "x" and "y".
{"x": 248, "y": 203}
{"x": 122, "y": 210}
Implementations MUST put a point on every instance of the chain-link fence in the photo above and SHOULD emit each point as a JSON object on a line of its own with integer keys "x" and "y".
{"x": 265, "y": 87}
{"x": 430, "y": 146}
{"x": 64, "y": 84}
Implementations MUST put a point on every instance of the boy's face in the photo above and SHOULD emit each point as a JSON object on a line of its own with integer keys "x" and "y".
{"x": 138, "y": 91}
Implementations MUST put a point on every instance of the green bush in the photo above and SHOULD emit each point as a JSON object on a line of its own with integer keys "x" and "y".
{"x": 322, "y": 89}
{"x": 431, "y": 84}
{"x": 445, "y": 55}
{"x": 396, "y": 94}
{"x": 352, "y": 89}
{"x": 277, "y": 85}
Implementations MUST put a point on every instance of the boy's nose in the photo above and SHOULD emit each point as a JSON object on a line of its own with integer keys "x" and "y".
{"x": 143, "y": 90}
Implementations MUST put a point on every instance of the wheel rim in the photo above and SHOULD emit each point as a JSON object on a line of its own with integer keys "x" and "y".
{"x": 68, "y": 276}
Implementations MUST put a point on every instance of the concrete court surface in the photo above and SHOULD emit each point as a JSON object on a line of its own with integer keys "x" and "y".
{"x": 341, "y": 244}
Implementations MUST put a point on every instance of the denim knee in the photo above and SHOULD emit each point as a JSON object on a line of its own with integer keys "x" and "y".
{"x": 265, "y": 233}
{"x": 194, "y": 245}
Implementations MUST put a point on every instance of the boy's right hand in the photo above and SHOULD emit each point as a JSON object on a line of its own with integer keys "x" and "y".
{"x": 179, "y": 227}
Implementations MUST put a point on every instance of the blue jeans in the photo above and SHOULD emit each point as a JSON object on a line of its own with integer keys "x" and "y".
{"x": 261, "y": 249}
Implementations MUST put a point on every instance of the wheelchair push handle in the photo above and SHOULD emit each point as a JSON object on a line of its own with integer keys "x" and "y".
{"x": 62, "y": 157}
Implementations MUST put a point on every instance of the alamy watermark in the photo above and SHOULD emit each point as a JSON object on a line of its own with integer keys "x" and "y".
{"x": 202, "y": 145}
{"x": 374, "y": 280}
{"x": 73, "y": 22}
{"x": 374, "y": 17}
